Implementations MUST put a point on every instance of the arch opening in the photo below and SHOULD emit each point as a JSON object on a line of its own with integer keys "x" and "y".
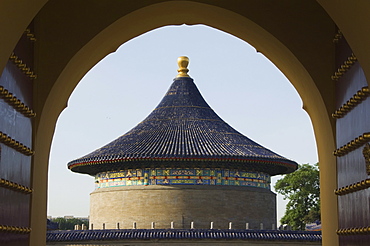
{"x": 125, "y": 86}
{"x": 194, "y": 13}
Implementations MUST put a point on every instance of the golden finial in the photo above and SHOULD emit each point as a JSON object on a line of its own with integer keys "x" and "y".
{"x": 183, "y": 62}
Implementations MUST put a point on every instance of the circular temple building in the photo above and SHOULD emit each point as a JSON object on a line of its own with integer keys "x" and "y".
{"x": 182, "y": 167}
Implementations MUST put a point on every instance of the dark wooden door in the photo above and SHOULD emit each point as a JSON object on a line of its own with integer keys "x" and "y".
{"x": 16, "y": 83}
{"x": 353, "y": 152}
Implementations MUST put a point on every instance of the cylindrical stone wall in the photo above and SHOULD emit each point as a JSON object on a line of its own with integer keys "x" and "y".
{"x": 182, "y": 204}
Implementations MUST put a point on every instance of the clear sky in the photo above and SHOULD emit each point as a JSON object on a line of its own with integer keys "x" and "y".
{"x": 243, "y": 87}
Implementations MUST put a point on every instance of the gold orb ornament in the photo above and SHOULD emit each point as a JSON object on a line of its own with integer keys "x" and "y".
{"x": 183, "y": 62}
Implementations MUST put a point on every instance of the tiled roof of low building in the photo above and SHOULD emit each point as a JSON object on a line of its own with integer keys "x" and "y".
{"x": 148, "y": 234}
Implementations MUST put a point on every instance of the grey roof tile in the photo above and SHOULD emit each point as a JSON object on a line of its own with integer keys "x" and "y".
{"x": 183, "y": 128}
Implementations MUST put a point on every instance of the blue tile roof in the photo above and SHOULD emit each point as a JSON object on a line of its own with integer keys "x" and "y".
{"x": 148, "y": 234}
{"x": 183, "y": 131}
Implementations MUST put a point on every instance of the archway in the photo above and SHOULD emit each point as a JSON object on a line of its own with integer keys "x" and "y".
{"x": 124, "y": 87}
{"x": 283, "y": 53}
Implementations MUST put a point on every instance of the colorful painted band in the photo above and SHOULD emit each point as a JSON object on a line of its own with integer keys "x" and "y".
{"x": 183, "y": 176}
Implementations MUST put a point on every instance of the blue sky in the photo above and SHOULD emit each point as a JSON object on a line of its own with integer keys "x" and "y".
{"x": 243, "y": 87}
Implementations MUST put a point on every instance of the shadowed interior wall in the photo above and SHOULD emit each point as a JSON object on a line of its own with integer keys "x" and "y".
{"x": 305, "y": 28}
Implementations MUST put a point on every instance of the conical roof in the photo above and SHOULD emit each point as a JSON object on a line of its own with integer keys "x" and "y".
{"x": 183, "y": 131}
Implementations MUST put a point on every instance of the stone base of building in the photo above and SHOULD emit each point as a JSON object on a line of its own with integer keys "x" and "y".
{"x": 145, "y": 207}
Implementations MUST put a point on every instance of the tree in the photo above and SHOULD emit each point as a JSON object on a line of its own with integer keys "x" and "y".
{"x": 302, "y": 188}
{"x": 69, "y": 224}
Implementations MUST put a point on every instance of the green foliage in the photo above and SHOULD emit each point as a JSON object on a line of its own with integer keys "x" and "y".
{"x": 302, "y": 188}
{"x": 69, "y": 224}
